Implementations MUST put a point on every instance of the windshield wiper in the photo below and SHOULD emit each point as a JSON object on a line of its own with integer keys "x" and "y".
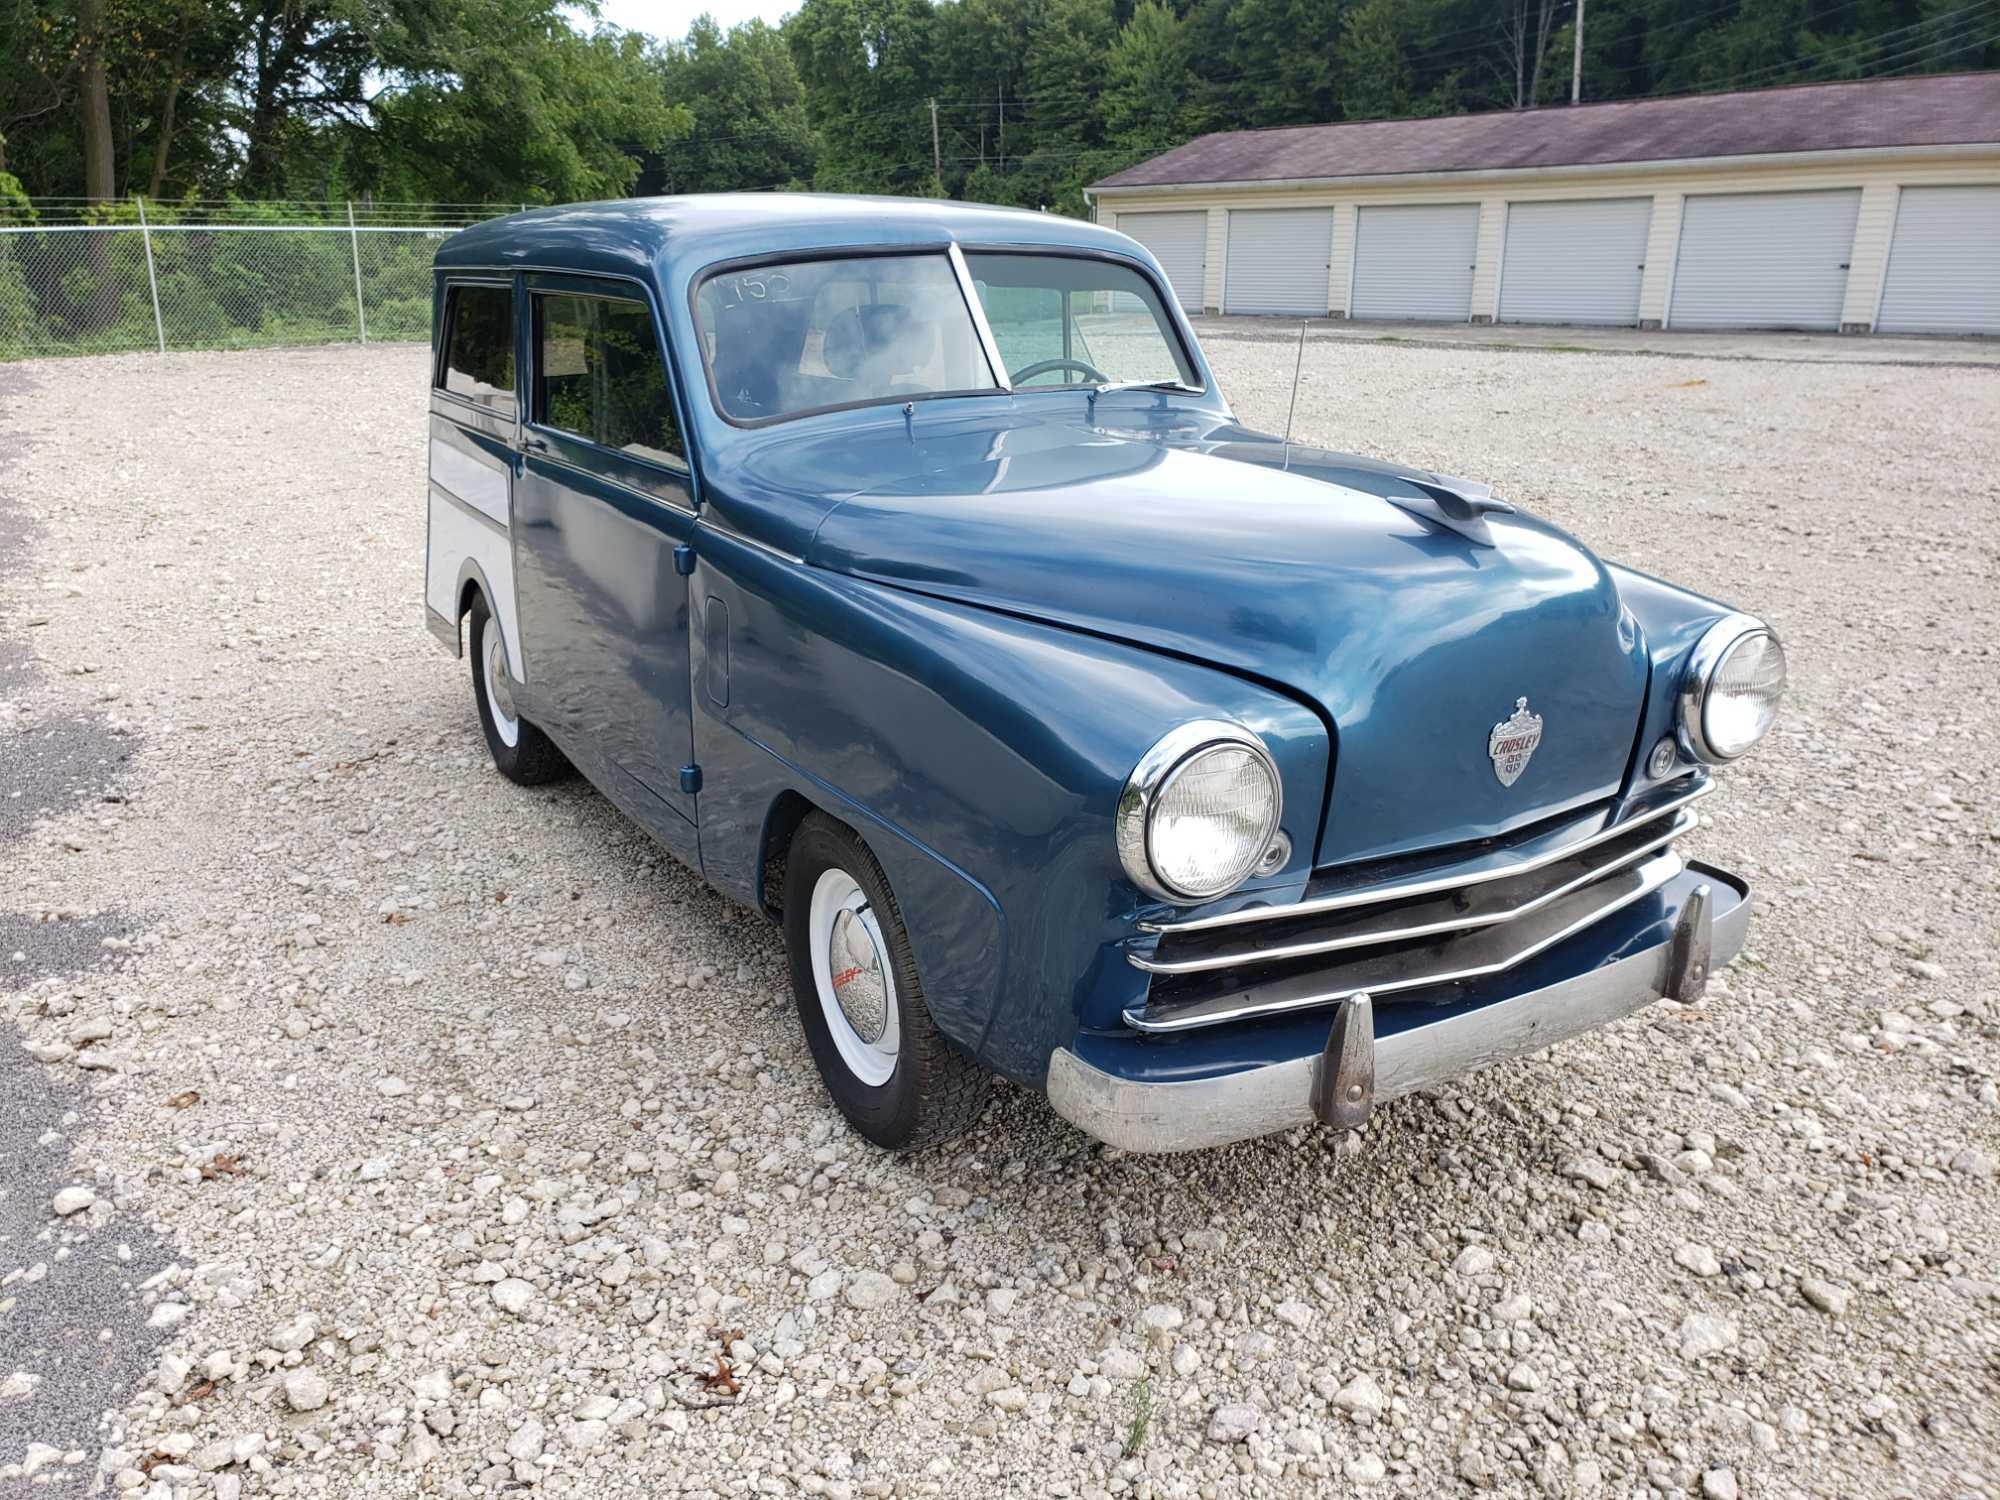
{"x": 1174, "y": 387}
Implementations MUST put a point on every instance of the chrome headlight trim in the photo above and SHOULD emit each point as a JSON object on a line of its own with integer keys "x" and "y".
{"x": 1709, "y": 653}
{"x": 1155, "y": 772}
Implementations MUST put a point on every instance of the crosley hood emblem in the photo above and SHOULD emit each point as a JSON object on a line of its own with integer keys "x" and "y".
{"x": 1513, "y": 740}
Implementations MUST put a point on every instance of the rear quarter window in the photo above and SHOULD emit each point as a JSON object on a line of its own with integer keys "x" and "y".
{"x": 478, "y": 359}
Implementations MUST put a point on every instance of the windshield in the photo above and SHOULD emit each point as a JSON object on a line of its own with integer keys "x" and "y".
{"x": 1071, "y": 320}
{"x": 791, "y": 338}
{"x": 803, "y": 336}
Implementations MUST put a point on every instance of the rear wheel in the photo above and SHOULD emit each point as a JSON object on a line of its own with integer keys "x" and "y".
{"x": 890, "y": 1070}
{"x": 522, "y": 752}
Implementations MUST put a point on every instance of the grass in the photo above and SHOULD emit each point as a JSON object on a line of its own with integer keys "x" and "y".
{"x": 1142, "y": 1416}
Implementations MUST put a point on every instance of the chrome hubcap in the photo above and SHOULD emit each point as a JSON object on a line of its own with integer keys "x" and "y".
{"x": 499, "y": 696}
{"x": 857, "y": 988}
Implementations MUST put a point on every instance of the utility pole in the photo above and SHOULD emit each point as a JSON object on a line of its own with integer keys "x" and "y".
{"x": 1000, "y": 114}
{"x": 937, "y": 153}
{"x": 1576, "y": 60}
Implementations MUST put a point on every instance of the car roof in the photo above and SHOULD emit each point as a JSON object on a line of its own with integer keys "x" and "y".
{"x": 675, "y": 238}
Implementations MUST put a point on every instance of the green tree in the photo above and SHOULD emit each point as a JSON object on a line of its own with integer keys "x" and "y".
{"x": 1148, "y": 95}
{"x": 867, "y": 69}
{"x": 748, "y": 107}
{"x": 502, "y": 99}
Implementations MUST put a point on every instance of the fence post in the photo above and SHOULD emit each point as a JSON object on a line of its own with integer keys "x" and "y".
{"x": 152, "y": 281}
{"x": 354, "y": 242}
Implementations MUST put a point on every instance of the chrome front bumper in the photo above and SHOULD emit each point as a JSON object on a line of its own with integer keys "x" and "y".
{"x": 1186, "y": 1115}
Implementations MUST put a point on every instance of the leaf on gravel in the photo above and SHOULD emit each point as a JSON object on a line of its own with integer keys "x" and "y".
{"x": 1681, "y": 385}
{"x": 224, "y": 1165}
{"x": 186, "y": 1099}
{"x": 397, "y": 919}
{"x": 200, "y": 1393}
{"x": 721, "y": 1379}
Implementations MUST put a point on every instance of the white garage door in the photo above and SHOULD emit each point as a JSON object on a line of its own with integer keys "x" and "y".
{"x": 1575, "y": 262}
{"x": 1944, "y": 264}
{"x": 1180, "y": 243}
{"x": 1763, "y": 260}
{"x": 1277, "y": 260}
{"x": 1415, "y": 261}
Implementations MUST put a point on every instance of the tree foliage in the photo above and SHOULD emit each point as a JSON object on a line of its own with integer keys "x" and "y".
{"x": 534, "y": 101}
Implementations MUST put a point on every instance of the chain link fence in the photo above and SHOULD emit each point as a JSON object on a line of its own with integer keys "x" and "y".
{"x": 92, "y": 278}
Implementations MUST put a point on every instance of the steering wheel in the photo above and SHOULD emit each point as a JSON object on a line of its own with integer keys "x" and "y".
{"x": 1089, "y": 372}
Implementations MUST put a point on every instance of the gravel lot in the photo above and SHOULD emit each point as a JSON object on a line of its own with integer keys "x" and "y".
{"x": 487, "y": 1152}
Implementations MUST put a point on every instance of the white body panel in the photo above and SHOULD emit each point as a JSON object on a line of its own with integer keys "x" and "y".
{"x": 460, "y": 484}
{"x": 1416, "y": 261}
{"x": 1944, "y": 262}
{"x": 1179, "y": 241}
{"x": 1764, "y": 260}
{"x": 1278, "y": 259}
{"x": 1575, "y": 262}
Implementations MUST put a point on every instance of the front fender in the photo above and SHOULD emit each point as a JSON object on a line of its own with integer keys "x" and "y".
{"x": 981, "y": 756}
{"x": 1671, "y": 619}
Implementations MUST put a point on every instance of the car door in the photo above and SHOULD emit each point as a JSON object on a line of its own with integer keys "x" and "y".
{"x": 603, "y": 512}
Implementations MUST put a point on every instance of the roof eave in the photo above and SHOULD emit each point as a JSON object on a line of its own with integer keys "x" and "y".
{"x": 1584, "y": 169}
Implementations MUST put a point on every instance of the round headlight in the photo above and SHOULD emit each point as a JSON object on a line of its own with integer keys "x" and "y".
{"x": 1735, "y": 680}
{"x": 1199, "y": 812}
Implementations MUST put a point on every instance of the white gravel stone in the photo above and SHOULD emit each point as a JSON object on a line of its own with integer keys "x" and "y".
{"x": 1703, "y": 1335}
{"x": 1698, "y": 1260}
{"x": 1473, "y": 1260}
{"x": 1365, "y": 1468}
{"x": 1827, "y": 1296}
{"x": 1121, "y": 1364}
{"x": 288, "y": 1338}
{"x": 525, "y": 1442}
{"x": 73, "y": 1200}
{"x": 1361, "y": 1397}
{"x": 513, "y": 1295}
{"x": 1234, "y": 1423}
{"x": 305, "y": 1390}
{"x": 868, "y": 1290}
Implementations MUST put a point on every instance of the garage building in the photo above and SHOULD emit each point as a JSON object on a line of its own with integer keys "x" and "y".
{"x": 1850, "y": 206}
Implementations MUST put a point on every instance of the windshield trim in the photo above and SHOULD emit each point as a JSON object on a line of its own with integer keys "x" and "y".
{"x": 955, "y": 254}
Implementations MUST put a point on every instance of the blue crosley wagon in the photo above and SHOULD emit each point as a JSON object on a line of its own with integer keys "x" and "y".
{"x": 900, "y": 566}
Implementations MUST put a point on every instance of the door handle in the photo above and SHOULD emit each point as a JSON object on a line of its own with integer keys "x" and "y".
{"x": 534, "y": 445}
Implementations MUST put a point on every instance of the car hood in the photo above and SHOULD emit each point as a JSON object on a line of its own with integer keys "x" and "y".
{"x": 1412, "y": 639}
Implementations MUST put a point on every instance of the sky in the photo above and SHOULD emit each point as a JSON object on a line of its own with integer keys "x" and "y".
{"x": 671, "y": 18}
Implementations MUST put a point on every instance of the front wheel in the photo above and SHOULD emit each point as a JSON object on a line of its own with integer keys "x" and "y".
{"x": 890, "y": 1070}
{"x": 523, "y": 754}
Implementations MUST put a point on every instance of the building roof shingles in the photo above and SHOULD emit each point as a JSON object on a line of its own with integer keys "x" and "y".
{"x": 1957, "y": 109}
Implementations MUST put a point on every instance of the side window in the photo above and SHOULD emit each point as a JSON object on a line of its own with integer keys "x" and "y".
{"x": 479, "y": 344}
{"x": 599, "y": 375}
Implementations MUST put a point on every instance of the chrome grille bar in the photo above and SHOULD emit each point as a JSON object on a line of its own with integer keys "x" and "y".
{"x": 1459, "y": 956}
{"x": 1498, "y": 866}
{"x": 1456, "y": 910}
